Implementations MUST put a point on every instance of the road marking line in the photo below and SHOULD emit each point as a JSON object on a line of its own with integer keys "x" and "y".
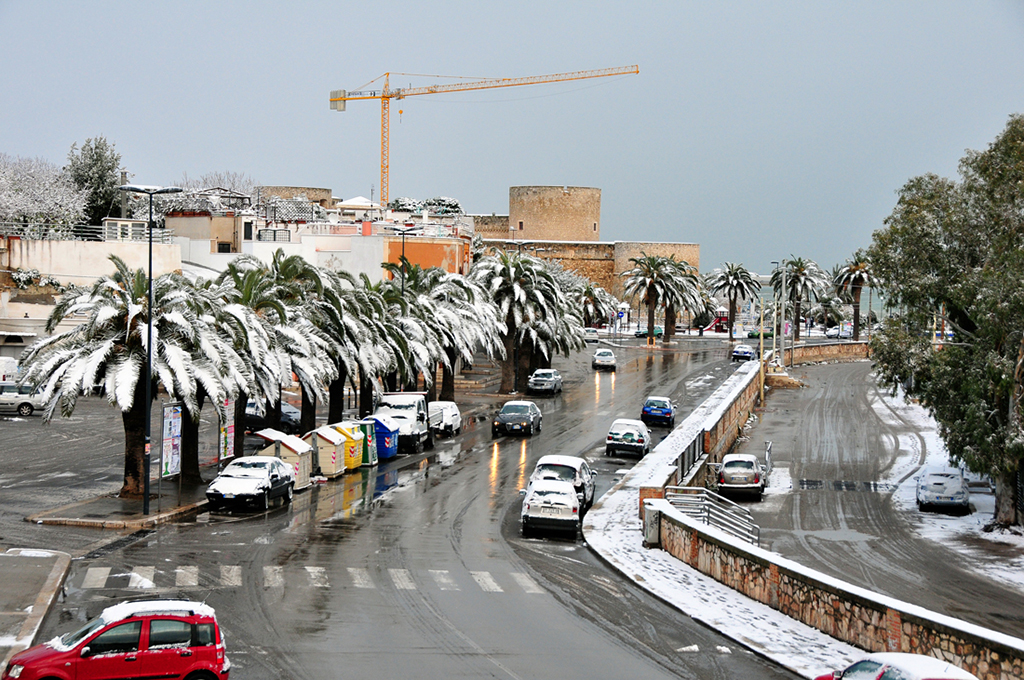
{"x": 360, "y": 578}
{"x": 526, "y": 583}
{"x": 186, "y": 576}
{"x": 96, "y": 577}
{"x": 141, "y": 577}
{"x": 444, "y": 579}
{"x": 486, "y": 582}
{"x": 402, "y": 579}
{"x": 231, "y": 577}
{"x": 273, "y": 577}
{"x": 318, "y": 577}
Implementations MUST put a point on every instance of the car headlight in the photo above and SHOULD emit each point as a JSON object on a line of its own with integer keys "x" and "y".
{"x": 15, "y": 671}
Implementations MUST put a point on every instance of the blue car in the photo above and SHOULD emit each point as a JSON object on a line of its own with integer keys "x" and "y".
{"x": 659, "y": 410}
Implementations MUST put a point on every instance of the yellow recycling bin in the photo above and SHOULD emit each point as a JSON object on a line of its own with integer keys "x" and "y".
{"x": 353, "y": 445}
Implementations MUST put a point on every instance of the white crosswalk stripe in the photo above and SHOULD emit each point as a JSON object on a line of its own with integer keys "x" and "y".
{"x": 96, "y": 577}
{"x": 318, "y": 577}
{"x": 273, "y": 577}
{"x": 486, "y": 581}
{"x": 443, "y": 579}
{"x": 186, "y": 576}
{"x": 231, "y": 576}
{"x": 526, "y": 583}
{"x": 141, "y": 577}
{"x": 402, "y": 579}
{"x": 360, "y": 578}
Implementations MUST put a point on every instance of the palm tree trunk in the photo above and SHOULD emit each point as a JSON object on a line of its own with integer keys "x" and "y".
{"x": 732, "y": 314}
{"x": 856, "y": 311}
{"x": 134, "y": 421}
{"x": 365, "y": 395}
{"x": 652, "y": 307}
{"x": 307, "y": 420}
{"x": 525, "y": 361}
{"x": 448, "y": 376}
{"x": 240, "y": 403}
{"x": 432, "y": 390}
{"x": 670, "y": 322}
{"x": 336, "y": 396}
{"x": 508, "y": 371}
{"x": 796, "y": 320}
{"x": 190, "y": 439}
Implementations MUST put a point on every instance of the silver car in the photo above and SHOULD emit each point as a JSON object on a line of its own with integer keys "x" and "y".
{"x": 545, "y": 380}
{"x": 570, "y": 469}
{"x": 550, "y": 504}
{"x": 742, "y": 473}
{"x": 20, "y": 399}
{"x": 939, "y": 487}
{"x": 603, "y": 359}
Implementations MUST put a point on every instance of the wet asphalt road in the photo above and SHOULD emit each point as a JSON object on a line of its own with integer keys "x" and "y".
{"x": 422, "y": 572}
{"x": 840, "y": 520}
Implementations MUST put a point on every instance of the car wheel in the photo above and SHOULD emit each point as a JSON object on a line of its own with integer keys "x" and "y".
{"x": 530, "y": 431}
{"x": 289, "y": 494}
{"x": 494, "y": 433}
{"x": 264, "y": 501}
{"x": 540, "y": 424}
{"x": 25, "y": 410}
{"x": 526, "y": 531}
{"x": 418, "y": 447}
{"x": 672, "y": 422}
{"x": 430, "y": 441}
{"x": 607, "y": 450}
{"x": 458, "y": 430}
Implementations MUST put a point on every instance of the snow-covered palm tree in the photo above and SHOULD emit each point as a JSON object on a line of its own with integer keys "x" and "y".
{"x": 653, "y": 278}
{"x": 851, "y": 278}
{"x": 685, "y": 293}
{"x": 735, "y": 282}
{"x": 109, "y": 347}
{"x": 804, "y": 281}
{"x": 523, "y": 290}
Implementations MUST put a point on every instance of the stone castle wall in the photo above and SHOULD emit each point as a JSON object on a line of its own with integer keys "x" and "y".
{"x": 555, "y": 213}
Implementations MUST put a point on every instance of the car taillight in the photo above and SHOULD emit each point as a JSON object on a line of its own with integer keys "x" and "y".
{"x": 575, "y": 509}
{"x": 640, "y": 440}
{"x": 757, "y": 479}
{"x": 609, "y": 437}
{"x": 721, "y": 478}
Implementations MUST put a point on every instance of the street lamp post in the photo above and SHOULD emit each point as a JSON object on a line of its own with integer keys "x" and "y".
{"x": 776, "y": 322}
{"x": 150, "y": 191}
{"x": 403, "y": 232}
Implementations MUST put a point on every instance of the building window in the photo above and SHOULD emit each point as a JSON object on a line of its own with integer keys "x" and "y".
{"x": 595, "y": 226}
{"x": 520, "y": 225}
{"x": 223, "y": 247}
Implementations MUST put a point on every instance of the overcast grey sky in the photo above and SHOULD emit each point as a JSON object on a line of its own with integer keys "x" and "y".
{"x": 756, "y": 129}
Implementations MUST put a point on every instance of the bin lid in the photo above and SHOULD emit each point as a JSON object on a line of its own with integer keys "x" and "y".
{"x": 386, "y": 422}
{"x": 350, "y": 428}
{"x": 327, "y": 432}
{"x": 287, "y": 440}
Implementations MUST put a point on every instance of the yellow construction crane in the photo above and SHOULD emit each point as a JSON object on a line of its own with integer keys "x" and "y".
{"x": 386, "y": 94}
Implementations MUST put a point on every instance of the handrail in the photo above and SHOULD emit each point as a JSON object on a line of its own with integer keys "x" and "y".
{"x": 128, "y": 231}
{"x": 715, "y": 510}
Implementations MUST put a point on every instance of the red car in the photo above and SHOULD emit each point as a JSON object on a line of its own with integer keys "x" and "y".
{"x": 144, "y": 639}
{"x": 899, "y": 666}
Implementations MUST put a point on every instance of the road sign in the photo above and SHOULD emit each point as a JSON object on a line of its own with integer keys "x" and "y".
{"x": 622, "y": 314}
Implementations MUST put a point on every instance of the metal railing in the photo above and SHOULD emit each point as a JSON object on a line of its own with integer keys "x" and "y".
{"x": 689, "y": 455}
{"x": 714, "y": 510}
{"x": 83, "y": 232}
{"x": 274, "y": 235}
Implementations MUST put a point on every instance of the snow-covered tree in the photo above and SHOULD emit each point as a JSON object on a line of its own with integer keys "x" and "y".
{"x": 851, "y": 279}
{"x": 736, "y": 283}
{"x": 33, "y": 190}
{"x": 95, "y": 168}
{"x": 805, "y": 281}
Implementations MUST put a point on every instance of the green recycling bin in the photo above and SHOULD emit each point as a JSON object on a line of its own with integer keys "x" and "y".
{"x": 369, "y": 442}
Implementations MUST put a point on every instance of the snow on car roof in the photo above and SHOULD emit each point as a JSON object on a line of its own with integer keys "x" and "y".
{"x": 628, "y": 422}
{"x": 517, "y": 403}
{"x": 923, "y": 666}
{"x": 558, "y": 485}
{"x": 554, "y": 459}
{"x": 738, "y": 456}
{"x": 125, "y": 610}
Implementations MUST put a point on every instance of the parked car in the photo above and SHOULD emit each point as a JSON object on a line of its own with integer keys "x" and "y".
{"x": 445, "y": 417}
{"x": 568, "y": 469}
{"x": 169, "y": 638}
{"x": 257, "y": 418}
{"x": 590, "y": 334}
{"x": 762, "y": 333}
{"x": 517, "y": 417}
{"x": 659, "y": 410}
{"x": 900, "y": 666}
{"x": 20, "y": 399}
{"x": 550, "y": 504}
{"x": 742, "y": 473}
{"x": 743, "y": 353}
{"x": 841, "y": 332}
{"x": 642, "y": 332}
{"x": 943, "y": 487}
{"x": 603, "y": 359}
{"x": 628, "y": 435}
{"x": 251, "y": 480}
{"x": 409, "y": 409}
{"x": 545, "y": 380}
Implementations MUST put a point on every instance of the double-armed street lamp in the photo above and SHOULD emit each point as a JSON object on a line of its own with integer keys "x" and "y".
{"x": 148, "y": 375}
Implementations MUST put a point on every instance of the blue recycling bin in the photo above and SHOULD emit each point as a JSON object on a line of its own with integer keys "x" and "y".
{"x": 386, "y": 430}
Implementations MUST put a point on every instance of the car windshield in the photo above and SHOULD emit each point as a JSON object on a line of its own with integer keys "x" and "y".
{"x": 739, "y": 465}
{"x": 515, "y": 409}
{"x": 942, "y": 478}
{"x": 72, "y": 639}
{"x": 657, "y": 403}
{"x": 862, "y": 670}
{"x": 604, "y": 353}
{"x": 625, "y": 433}
{"x": 398, "y": 406}
{"x": 544, "y": 374}
{"x": 550, "y": 494}
{"x": 246, "y": 468}
{"x": 560, "y": 472}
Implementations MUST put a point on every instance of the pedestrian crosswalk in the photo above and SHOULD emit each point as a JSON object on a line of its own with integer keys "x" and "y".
{"x": 185, "y": 577}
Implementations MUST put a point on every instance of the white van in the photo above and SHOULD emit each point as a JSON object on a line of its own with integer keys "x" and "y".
{"x": 409, "y": 409}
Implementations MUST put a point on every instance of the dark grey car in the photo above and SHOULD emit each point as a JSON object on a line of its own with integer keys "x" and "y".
{"x": 517, "y": 417}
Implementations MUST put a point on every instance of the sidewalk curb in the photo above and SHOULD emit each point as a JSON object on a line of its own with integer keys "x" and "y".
{"x": 146, "y": 523}
{"x": 43, "y": 603}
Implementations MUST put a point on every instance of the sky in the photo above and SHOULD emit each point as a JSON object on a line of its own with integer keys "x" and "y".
{"x": 759, "y": 130}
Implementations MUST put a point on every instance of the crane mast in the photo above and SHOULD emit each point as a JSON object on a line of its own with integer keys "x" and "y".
{"x": 386, "y": 94}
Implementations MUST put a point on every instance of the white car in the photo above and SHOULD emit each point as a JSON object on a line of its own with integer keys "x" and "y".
{"x": 445, "y": 417}
{"x": 21, "y": 399}
{"x": 603, "y": 359}
{"x": 901, "y": 666}
{"x": 550, "y": 504}
{"x": 630, "y": 435}
{"x": 568, "y": 469}
{"x": 544, "y": 380}
{"x": 743, "y": 353}
{"x": 251, "y": 480}
{"x": 590, "y": 335}
{"x": 939, "y": 487}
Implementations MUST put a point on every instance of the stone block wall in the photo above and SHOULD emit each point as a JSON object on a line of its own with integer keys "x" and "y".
{"x": 847, "y": 613}
{"x": 830, "y": 351}
{"x": 312, "y": 194}
{"x": 688, "y": 252}
{"x": 720, "y": 437}
{"x": 559, "y": 213}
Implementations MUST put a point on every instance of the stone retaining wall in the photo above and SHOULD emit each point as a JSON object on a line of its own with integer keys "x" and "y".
{"x": 846, "y": 612}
